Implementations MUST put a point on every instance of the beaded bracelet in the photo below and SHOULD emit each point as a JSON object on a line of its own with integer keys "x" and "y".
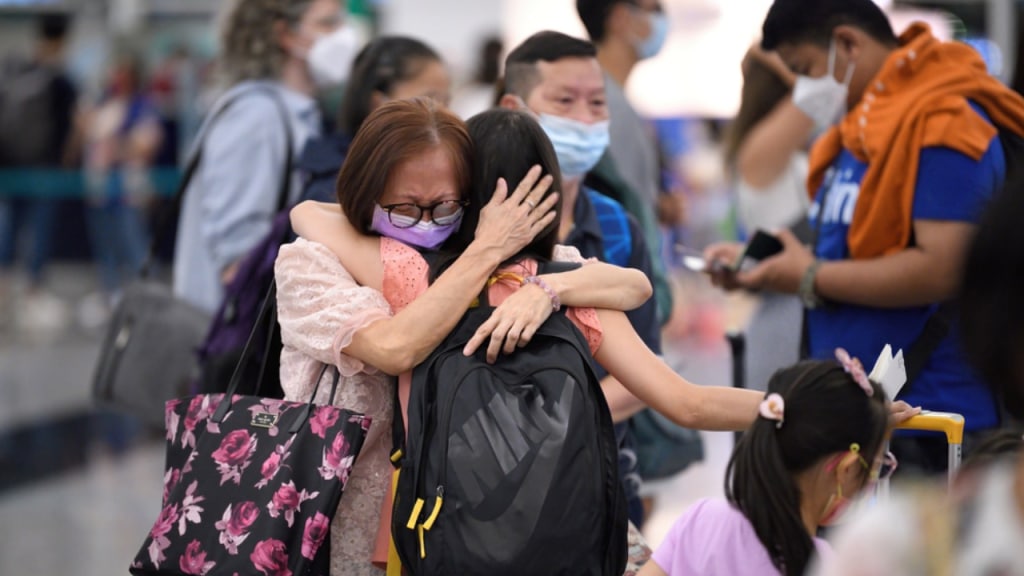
{"x": 556, "y": 303}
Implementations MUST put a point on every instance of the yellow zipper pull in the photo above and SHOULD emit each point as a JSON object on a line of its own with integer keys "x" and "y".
{"x": 416, "y": 509}
{"x": 438, "y": 501}
{"x": 423, "y": 548}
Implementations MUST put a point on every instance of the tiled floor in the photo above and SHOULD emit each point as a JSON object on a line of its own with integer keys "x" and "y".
{"x": 90, "y": 518}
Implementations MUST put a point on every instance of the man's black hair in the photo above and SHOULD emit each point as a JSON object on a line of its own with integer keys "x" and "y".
{"x": 798, "y": 21}
{"x": 54, "y": 26}
{"x": 521, "y": 64}
{"x": 594, "y": 14}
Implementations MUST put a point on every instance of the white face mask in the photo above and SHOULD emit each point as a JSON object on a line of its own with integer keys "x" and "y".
{"x": 330, "y": 59}
{"x": 824, "y": 98}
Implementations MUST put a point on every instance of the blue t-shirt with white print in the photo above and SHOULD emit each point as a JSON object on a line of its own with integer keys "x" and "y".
{"x": 950, "y": 186}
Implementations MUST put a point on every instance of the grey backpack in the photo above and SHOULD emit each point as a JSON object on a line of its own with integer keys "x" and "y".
{"x": 26, "y": 113}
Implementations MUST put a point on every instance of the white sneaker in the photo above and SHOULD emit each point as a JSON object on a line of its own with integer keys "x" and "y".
{"x": 42, "y": 314}
{"x": 94, "y": 311}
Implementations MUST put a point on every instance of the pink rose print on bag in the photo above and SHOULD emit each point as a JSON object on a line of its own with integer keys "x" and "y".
{"x": 316, "y": 530}
{"x": 273, "y": 463}
{"x": 323, "y": 418}
{"x": 198, "y": 410}
{"x": 162, "y": 527}
{"x": 191, "y": 511}
{"x": 171, "y": 478}
{"x": 171, "y": 420}
{"x": 271, "y": 558}
{"x": 337, "y": 461}
{"x": 234, "y": 525}
{"x": 234, "y": 455}
{"x": 287, "y": 500}
{"x": 193, "y": 561}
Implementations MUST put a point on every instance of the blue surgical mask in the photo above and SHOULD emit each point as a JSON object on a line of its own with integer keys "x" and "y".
{"x": 650, "y": 46}
{"x": 578, "y": 145}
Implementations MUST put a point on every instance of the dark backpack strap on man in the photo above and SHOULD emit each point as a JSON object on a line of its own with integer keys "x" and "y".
{"x": 935, "y": 331}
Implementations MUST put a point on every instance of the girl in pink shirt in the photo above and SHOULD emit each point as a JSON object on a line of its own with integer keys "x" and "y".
{"x": 817, "y": 442}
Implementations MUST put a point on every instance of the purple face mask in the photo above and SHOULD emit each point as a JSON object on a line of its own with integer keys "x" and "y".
{"x": 424, "y": 234}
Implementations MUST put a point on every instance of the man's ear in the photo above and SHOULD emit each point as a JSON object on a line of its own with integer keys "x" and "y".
{"x": 511, "y": 102}
{"x": 849, "y": 40}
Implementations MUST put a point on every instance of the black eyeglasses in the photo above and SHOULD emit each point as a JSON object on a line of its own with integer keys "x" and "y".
{"x": 407, "y": 214}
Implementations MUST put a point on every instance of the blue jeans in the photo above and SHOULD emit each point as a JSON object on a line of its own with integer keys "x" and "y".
{"x": 119, "y": 241}
{"x": 34, "y": 217}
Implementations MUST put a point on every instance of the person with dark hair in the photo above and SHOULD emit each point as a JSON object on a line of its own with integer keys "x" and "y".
{"x": 911, "y": 155}
{"x": 406, "y": 182}
{"x": 624, "y": 33}
{"x": 388, "y": 68}
{"x": 557, "y": 78}
{"x": 37, "y": 104}
{"x": 818, "y": 441}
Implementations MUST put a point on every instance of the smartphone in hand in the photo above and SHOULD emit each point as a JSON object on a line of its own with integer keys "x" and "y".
{"x": 762, "y": 245}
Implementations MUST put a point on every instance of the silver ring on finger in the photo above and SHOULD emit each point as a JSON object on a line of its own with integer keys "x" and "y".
{"x": 531, "y": 203}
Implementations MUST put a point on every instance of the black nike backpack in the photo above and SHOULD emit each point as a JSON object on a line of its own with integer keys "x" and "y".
{"x": 510, "y": 468}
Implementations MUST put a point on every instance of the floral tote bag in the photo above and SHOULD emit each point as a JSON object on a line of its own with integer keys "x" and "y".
{"x": 251, "y": 485}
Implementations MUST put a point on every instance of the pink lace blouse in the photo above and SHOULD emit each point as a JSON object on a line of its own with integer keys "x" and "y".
{"x": 320, "y": 307}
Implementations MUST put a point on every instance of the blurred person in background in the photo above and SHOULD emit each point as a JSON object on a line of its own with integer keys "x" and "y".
{"x": 122, "y": 135}
{"x": 911, "y": 156}
{"x": 273, "y": 46}
{"x": 626, "y": 32}
{"x": 388, "y": 68}
{"x": 766, "y": 152}
{"x": 477, "y": 95}
{"x": 37, "y": 103}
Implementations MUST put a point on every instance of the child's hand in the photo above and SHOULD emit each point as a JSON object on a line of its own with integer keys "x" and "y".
{"x": 900, "y": 412}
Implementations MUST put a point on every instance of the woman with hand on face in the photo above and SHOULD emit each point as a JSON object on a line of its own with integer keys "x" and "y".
{"x": 404, "y": 186}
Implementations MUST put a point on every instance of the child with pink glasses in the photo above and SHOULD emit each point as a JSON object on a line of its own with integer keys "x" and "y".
{"x": 818, "y": 442}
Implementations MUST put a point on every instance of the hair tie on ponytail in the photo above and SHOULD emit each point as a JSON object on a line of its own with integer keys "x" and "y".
{"x": 773, "y": 407}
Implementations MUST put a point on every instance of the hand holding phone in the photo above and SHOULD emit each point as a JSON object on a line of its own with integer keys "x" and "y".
{"x": 760, "y": 247}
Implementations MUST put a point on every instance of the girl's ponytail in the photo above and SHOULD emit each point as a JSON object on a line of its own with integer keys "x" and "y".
{"x": 824, "y": 412}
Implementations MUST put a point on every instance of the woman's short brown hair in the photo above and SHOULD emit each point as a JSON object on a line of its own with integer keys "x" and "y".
{"x": 391, "y": 135}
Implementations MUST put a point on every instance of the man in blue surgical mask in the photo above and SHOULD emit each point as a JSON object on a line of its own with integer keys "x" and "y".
{"x": 557, "y": 78}
{"x": 626, "y": 32}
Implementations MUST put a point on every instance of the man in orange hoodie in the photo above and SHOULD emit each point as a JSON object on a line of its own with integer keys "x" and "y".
{"x": 910, "y": 155}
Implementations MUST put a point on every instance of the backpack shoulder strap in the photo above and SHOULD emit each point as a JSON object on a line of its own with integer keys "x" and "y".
{"x": 935, "y": 331}
{"x": 615, "y": 232}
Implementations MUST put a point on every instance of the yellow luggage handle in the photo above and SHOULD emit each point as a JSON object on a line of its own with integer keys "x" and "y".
{"x": 951, "y": 424}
